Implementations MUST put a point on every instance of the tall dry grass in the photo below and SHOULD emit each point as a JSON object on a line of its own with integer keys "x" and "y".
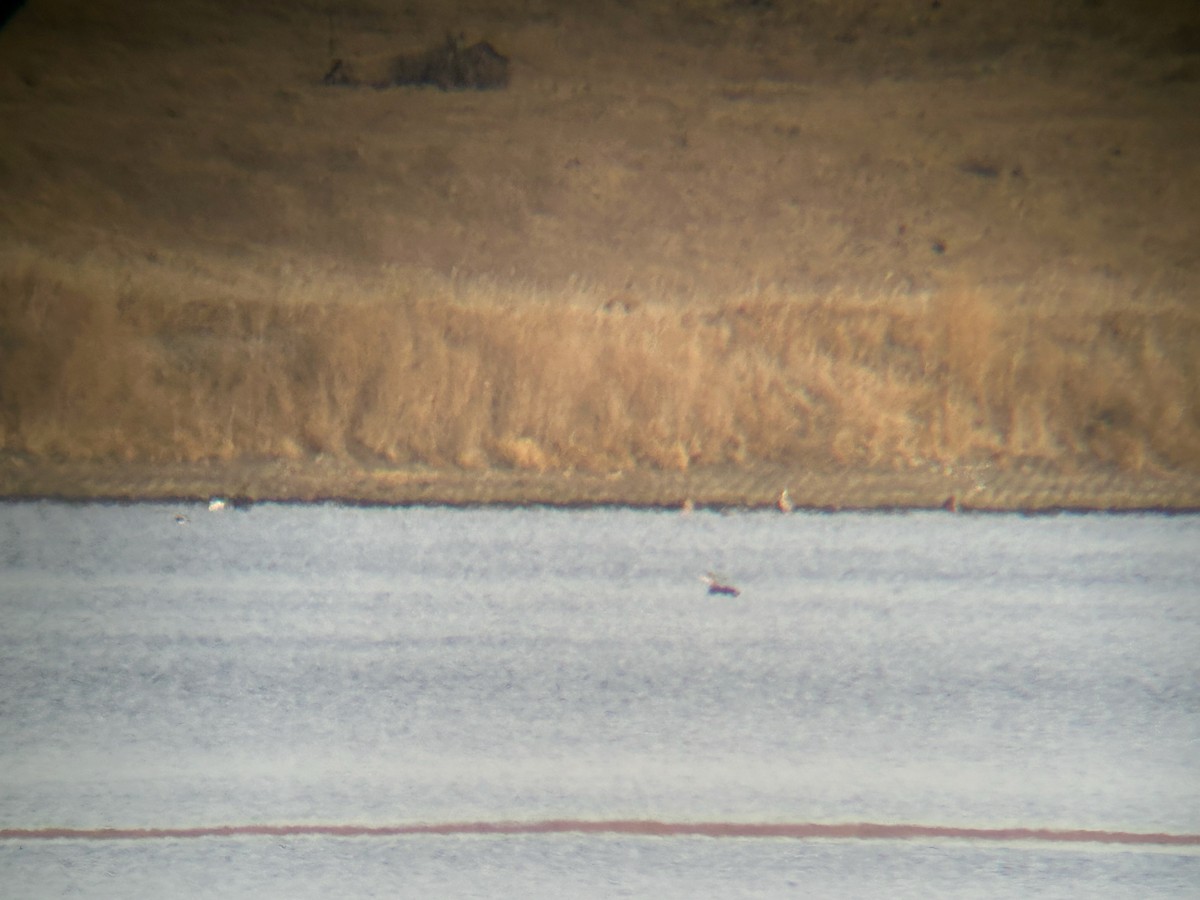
{"x": 176, "y": 365}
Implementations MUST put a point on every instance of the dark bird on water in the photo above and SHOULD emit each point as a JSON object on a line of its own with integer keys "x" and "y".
{"x": 715, "y": 586}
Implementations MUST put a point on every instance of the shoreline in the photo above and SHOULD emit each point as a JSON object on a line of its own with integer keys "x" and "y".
{"x": 979, "y": 488}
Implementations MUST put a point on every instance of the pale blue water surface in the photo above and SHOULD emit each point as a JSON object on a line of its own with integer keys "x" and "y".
{"x": 320, "y": 664}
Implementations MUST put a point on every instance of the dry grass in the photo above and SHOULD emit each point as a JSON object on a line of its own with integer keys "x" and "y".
{"x": 692, "y": 235}
{"x": 99, "y": 367}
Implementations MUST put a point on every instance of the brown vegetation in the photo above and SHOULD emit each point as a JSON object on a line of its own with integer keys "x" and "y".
{"x": 707, "y": 236}
{"x": 468, "y": 376}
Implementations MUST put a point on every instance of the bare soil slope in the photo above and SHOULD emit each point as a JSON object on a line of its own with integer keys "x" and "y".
{"x": 882, "y": 252}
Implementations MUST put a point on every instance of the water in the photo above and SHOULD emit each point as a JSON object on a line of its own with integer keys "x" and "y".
{"x": 325, "y": 665}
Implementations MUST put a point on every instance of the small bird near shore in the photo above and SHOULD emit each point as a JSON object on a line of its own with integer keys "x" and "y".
{"x": 785, "y": 502}
{"x": 717, "y": 586}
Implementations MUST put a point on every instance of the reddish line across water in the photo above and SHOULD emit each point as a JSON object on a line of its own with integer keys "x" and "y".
{"x": 801, "y": 831}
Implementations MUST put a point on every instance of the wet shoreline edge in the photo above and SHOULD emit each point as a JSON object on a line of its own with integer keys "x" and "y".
{"x": 979, "y": 488}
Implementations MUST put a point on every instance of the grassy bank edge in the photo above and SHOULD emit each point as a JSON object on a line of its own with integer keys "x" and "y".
{"x": 979, "y": 488}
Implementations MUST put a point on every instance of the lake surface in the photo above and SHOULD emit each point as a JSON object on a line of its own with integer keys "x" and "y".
{"x": 321, "y": 665}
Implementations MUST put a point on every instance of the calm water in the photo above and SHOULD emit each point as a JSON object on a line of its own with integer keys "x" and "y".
{"x": 325, "y": 665}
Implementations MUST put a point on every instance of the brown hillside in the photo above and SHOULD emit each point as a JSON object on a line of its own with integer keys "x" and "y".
{"x": 880, "y": 252}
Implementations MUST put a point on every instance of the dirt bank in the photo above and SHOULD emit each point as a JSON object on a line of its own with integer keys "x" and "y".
{"x": 964, "y": 489}
{"x": 690, "y": 250}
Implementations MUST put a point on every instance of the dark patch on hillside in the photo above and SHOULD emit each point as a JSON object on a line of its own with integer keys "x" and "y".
{"x": 452, "y": 66}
